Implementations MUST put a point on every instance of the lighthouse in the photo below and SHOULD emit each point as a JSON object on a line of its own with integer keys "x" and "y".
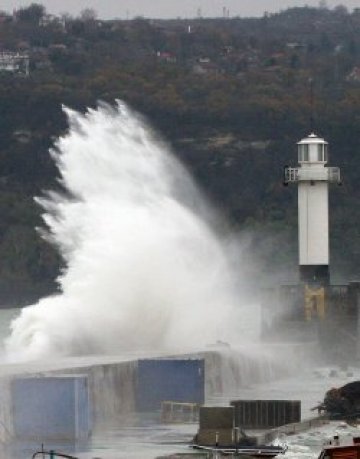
{"x": 313, "y": 310}
{"x": 313, "y": 177}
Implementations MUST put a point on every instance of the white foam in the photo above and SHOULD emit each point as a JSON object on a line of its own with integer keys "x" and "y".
{"x": 144, "y": 269}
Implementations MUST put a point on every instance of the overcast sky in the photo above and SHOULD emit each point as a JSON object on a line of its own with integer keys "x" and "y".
{"x": 107, "y": 9}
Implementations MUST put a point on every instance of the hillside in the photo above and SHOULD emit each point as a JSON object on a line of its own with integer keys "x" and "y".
{"x": 232, "y": 96}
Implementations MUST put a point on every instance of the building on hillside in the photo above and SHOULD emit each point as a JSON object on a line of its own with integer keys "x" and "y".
{"x": 14, "y": 62}
{"x": 204, "y": 66}
{"x": 165, "y": 56}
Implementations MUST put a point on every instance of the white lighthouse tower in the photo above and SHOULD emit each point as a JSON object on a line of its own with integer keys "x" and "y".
{"x": 313, "y": 177}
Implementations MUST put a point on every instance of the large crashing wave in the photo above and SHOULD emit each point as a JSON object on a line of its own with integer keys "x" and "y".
{"x": 144, "y": 270}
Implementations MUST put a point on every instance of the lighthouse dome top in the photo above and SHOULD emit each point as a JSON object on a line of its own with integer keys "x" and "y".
{"x": 311, "y": 139}
{"x": 312, "y": 150}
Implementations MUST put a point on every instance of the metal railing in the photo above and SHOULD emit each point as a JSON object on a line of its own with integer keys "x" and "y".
{"x": 300, "y": 174}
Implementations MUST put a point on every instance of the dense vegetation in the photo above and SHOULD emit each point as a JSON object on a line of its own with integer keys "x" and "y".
{"x": 231, "y": 95}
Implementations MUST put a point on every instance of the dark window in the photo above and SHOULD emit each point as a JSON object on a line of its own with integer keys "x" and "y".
{"x": 321, "y": 152}
{"x": 303, "y": 153}
{"x": 325, "y": 153}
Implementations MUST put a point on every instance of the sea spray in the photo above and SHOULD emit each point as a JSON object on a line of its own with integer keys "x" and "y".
{"x": 144, "y": 269}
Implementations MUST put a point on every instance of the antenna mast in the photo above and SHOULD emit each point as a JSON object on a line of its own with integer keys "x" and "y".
{"x": 312, "y": 120}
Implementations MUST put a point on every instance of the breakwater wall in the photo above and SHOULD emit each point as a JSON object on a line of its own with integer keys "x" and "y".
{"x": 112, "y": 386}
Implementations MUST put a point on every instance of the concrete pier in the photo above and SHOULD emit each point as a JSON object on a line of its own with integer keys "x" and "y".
{"x": 112, "y": 381}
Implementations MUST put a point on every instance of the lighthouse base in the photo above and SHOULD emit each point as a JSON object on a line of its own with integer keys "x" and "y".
{"x": 326, "y": 315}
{"x": 315, "y": 274}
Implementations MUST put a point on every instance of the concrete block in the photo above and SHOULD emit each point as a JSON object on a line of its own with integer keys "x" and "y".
{"x": 216, "y": 417}
{"x": 211, "y": 437}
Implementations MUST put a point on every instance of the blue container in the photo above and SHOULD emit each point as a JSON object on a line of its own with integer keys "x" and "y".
{"x": 176, "y": 380}
{"x": 51, "y": 408}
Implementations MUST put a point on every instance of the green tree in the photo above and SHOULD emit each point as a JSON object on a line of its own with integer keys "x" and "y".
{"x": 32, "y": 13}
